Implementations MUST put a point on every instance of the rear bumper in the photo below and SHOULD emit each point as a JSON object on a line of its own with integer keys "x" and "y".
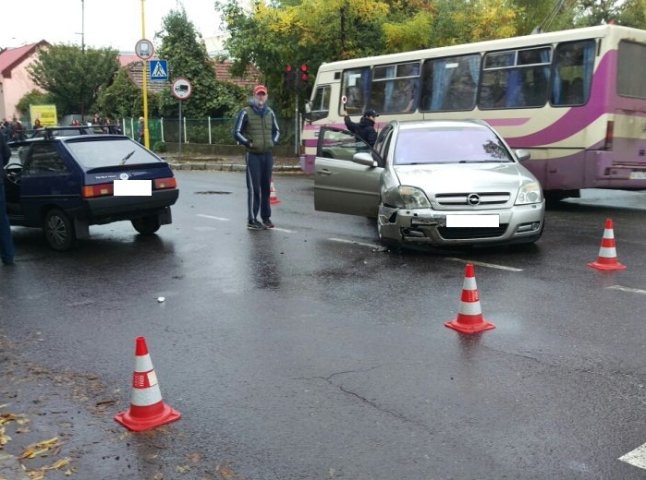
{"x": 110, "y": 209}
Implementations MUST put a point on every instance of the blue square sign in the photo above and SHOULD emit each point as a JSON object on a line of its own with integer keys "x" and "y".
{"x": 159, "y": 70}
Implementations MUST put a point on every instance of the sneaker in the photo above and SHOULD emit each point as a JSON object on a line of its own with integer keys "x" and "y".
{"x": 267, "y": 223}
{"x": 255, "y": 225}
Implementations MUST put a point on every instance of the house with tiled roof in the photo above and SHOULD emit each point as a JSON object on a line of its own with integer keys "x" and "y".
{"x": 15, "y": 81}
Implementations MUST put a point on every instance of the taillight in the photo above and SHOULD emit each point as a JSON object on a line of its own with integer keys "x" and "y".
{"x": 101, "y": 190}
{"x": 164, "y": 183}
{"x": 610, "y": 134}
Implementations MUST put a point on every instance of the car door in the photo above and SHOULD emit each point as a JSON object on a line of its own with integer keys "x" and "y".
{"x": 341, "y": 184}
{"x": 46, "y": 180}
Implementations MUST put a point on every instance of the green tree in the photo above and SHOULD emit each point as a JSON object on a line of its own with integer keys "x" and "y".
{"x": 74, "y": 77}
{"x": 633, "y": 14}
{"x": 122, "y": 98}
{"x": 187, "y": 57}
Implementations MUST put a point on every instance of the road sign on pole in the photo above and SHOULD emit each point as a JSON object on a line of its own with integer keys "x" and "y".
{"x": 181, "y": 89}
{"x": 159, "y": 70}
{"x": 144, "y": 49}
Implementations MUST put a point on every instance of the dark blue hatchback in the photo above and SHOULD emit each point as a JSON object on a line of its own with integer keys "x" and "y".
{"x": 65, "y": 184}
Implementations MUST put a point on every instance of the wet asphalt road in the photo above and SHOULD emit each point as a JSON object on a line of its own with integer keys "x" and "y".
{"x": 308, "y": 352}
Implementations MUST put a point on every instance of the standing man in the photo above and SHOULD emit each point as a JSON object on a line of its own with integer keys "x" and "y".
{"x": 257, "y": 129}
{"x": 7, "y": 250}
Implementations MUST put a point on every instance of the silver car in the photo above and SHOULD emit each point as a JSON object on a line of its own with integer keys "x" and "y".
{"x": 431, "y": 182}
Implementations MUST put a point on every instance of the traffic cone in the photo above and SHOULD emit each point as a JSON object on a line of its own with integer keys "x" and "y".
{"x": 470, "y": 319}
{"x": 147, "y": 409}
{"x": 607, "y": 259}
{"x": 273, "y": 198}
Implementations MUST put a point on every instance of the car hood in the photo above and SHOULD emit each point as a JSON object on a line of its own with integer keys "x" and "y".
{"x": 452, "y": 178}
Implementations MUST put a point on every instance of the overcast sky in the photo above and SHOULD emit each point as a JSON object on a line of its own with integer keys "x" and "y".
{"x": 108, "y": 23}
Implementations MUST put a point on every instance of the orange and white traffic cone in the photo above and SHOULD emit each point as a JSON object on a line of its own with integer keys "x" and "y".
{"x": 607, "y": 259}
{"x": 470, "y": 319}
{"x": 273, "y": 198}
{"x": 147, "y": 409}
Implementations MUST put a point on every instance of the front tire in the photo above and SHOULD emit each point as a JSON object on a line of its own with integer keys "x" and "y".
{"x": 59, "y": 230}
{"x": 146, "y": 225}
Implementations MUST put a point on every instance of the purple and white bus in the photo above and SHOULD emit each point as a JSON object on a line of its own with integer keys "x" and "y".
{"x": 576, "y": 99}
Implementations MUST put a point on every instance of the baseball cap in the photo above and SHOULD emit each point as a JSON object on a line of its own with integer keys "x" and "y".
{"x": 260, "y": 89}
{"x": 370, "y": 113}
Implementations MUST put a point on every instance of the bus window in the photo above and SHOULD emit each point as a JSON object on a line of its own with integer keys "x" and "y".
{"x": 450, "y": 83}
{"x": 356, "y": 89}
{"x": 572, "y": 72}
{"x": 320, "y": 106}
{"x": 395, "y": 87}
{"x": 515, "y": 79}
{"x": 630, "y": 80}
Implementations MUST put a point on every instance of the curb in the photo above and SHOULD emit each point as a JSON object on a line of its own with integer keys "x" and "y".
{"x": 228, "y": 167}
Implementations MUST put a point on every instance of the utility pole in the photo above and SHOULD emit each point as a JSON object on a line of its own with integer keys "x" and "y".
{"x": 83, "y": 26}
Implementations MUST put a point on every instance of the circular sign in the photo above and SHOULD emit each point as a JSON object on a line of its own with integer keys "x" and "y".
{"x": 344, "y": 99}
{"x": 181, "y": 89}
{"x": 144, "y": 49}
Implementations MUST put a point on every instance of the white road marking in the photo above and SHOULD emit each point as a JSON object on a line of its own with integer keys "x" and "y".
{"x": 627, "y": 289}
{"x": 637, "y": 457}
{"x": 282, "y": 230}
{"x": 352, "y": 242}
{"x": 222, "y": 219}
{"x": 484, "y": 264}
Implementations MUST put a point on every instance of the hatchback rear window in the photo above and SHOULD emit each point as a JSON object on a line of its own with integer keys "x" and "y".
{"x": 98, "y": 153}
{"x": 449, "y": 145}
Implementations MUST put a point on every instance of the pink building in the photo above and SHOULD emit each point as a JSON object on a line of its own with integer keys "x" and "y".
{"x": 14, "y": 78}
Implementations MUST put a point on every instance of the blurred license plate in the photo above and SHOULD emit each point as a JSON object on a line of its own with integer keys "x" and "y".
{"x": 132, "y": 188}
{"x": 462, "y": 221}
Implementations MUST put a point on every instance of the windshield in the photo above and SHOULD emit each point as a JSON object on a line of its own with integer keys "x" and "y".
{"x": 449, "y": 145}
{"x": 109, "y": 152}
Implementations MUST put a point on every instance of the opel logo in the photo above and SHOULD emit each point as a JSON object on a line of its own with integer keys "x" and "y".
{"x": 473, "y": 199}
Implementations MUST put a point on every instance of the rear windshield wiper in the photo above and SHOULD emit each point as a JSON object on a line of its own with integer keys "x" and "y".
{"x": 125, "y": 159}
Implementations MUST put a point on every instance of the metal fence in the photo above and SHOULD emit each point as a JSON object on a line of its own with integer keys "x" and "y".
{"x": 213, "y": 131}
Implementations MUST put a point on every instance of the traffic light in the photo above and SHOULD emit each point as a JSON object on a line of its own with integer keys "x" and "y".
{"x": 304, "y": 74}
{"x": 289, "y": 77}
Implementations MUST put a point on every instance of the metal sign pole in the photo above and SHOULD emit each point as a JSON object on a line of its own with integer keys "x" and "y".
{"x": 180, "y": 130}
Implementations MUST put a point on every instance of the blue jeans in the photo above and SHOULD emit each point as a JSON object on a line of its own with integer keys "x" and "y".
{"x": 7, "y": 250}
{"x": 259, "y": 166}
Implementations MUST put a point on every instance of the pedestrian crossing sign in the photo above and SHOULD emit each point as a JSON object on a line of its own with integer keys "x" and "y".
{"x": 159, "y": 70}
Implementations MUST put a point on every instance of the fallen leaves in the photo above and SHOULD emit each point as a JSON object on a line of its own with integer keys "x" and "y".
{"x": 41, "y": 448}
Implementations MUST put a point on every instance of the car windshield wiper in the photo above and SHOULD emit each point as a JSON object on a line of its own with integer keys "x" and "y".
{"x": 125, "y": 159}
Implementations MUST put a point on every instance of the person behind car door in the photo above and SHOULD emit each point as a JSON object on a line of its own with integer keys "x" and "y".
{"x": 257, "y": 129}
{"x": 365, "y": 129}
{"x": 7, "y": 250}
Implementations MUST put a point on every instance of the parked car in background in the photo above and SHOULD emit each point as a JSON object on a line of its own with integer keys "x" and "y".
{"x": 65, "y": 183}
{"x": 431, "y": 182}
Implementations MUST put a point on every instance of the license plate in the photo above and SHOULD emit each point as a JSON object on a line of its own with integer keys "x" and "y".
{"x": 132, "y": 188}
{"x": 472, "y": 221}
{"x": 637, "y": 175}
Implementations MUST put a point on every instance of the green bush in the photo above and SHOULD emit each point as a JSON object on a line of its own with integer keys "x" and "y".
{"x": 160, "y": 147}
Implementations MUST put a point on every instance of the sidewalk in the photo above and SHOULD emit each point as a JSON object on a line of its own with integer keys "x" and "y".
{"x": 229, "y": 163}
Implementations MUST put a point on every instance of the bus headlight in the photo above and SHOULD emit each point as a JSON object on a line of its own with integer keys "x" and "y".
{"x": 406, "y": 197}
{"x": 529, "y": 192}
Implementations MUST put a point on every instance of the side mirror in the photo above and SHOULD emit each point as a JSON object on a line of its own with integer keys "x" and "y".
{"x": 364, "y": 158}
{"x": 522, "y": 155}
